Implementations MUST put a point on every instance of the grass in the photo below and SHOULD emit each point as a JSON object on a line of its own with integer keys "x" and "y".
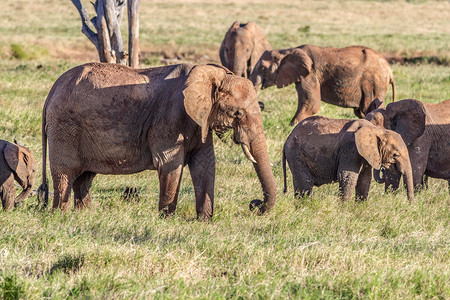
{"x": 309, "y": 248}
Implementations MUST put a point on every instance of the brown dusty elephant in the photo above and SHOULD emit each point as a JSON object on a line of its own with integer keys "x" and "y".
{"x": 242, "y": 47}
{"x": 347, "y": 77}
{"x": 425, "y": 128}
{"x": 111, "y": 119}
{"x": 16, "y": 163}
{"x": 321, "y": 150}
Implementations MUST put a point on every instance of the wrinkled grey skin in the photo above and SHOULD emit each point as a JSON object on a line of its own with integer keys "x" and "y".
{"x": 111, "y": 119}
{"x": 347, "y": 77}
{"x": 425, "y": 128}
{"x": 16, "y": 163}
{"x": 321, "y": 150}
{"x": 242, "y": 47}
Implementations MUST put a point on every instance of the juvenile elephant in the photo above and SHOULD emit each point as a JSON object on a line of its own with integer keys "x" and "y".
{"x": 16, "y": 163}
{"x": 111, "y": 119}
{"x": 242, "y": 47}
{"x": 347, "y": 77}
{"x": 320, "y": 150}
{"x": 425, "y": 128}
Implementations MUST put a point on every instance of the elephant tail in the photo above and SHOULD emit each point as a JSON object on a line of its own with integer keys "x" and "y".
{"x": 42, "y": 192}
{"x": 284, "y": 171}
{"x": 392, "y": 82}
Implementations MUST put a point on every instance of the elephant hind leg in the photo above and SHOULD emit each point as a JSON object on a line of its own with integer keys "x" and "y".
{"x": 82, "y": 190}
{"x": 302, "y": 179}
{"x": 62, "y": 185}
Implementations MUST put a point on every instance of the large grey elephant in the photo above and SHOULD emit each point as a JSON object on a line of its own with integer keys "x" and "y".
{"x": 347, "y": 77}
{"x": 16, "y": 163}
{"x": 242, "y": 47}
{"x": 321, "y": 150}
{"x": 425, "y": 128}
{"x": 111, "y": 119}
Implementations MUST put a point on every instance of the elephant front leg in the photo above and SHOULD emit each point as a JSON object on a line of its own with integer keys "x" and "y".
{"x": 7, "y": 193}
{"x": 348, "y": 172}
{"x": 169, "y": 186}
{"x": 363, "y": 184}
{"x": 308, "y": 100}
{"x": 203, "y": 168}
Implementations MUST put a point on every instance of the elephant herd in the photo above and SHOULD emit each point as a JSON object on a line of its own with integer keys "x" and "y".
{"x": 103, "y": 118}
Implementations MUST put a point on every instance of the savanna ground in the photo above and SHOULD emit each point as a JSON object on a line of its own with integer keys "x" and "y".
{"x": 309, "y": 248}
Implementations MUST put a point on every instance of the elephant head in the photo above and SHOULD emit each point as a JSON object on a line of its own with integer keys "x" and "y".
{"x": 241, "y": 48}
{"x": 385, "y": 148}
{"x": 22, "y": 164}
{"x": 218, "y": 100}
{"x": 281, "y": 68}
{"x": 407, "y": 118}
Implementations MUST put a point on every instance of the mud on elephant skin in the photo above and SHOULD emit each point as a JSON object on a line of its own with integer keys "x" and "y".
{"x": 321, "y": 150}
{"x": 425, "y": 128}
{"x": 16, "y": 163}
{"x": 111, "y": 119}
{"x": 348, "y": 77}
{"x": 242, "y": 47}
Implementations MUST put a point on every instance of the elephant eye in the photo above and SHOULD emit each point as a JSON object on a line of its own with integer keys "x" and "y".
{"x": 238, "y": 114}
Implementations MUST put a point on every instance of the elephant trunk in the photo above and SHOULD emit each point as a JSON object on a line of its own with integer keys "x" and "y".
{"x": 404, "y": 166}
{"x": 23, "y": 195}
{"x": 238, "y": 67}
{"x": 258, "y": 149}
{"x": 408, "y": 179}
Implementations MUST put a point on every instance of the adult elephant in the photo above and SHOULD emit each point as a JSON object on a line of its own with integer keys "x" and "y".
{"x": 321, "y": 150}
{"x": 111, "y": 119}
{"x": 242, "y": 47}
{"x": 425, "y": 128}
{"x": 347, "y": 77}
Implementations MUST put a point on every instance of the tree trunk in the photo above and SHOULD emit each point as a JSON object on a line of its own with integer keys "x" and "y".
{"x": 108, "y": 39}
{"x": 133, "y": 33}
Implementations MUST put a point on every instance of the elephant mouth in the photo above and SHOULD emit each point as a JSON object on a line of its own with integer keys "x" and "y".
{"x": 248, "y": 153}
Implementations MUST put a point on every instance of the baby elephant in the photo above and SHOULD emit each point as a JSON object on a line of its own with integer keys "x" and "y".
{"x": 16, "y": 163}
{"x": 321, "y": 150}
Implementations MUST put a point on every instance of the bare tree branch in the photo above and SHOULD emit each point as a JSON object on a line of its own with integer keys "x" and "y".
{"x": 113, "y": 9}
{"x": 92, "y": 36}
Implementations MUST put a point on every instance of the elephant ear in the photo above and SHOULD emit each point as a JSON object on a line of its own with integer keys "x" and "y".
{"x": 293, "y": 66}
{"x": 17, "y": 160}
{"x": 407, "y": 118}
{"x": 367, "y": 140}
{"x": 198, "y": 91}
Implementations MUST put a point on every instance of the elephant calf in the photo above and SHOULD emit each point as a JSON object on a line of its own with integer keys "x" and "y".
{"x": 16, "y": 163}
{"x": 242, "y": 47}
{"x": 348, "y": 77}
{"x": 425, "y": 128}
{"x": 321, "y": 150}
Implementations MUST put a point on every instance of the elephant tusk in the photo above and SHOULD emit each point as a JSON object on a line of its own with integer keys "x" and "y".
{"x": 382, "y": 175}
{"x": 247, "y": 153}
